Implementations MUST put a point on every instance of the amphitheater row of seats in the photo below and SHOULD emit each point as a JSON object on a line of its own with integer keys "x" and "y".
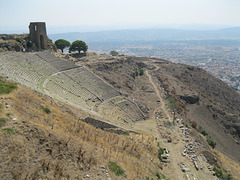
{"x": 57, "y": 63}
{"x": 130, "y": 109}
{"x": 64, "y": 82}
{"x": 27, "y": 69}
{"x": 78, "y": 85}
{"x": 89, "y": 80}
{"x": 63, "y": 87}
{"x": 82, "y": 76}
{"x": 64, "y": 94}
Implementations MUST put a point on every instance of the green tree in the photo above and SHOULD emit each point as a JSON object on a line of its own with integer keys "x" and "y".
{"x": 62, "y": 44}
{"x": 113, "y": 53}
{"x": 78, "y": 46}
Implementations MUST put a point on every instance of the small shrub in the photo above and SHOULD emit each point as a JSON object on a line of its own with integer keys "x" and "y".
{"x": 194, "y": 124}
{"x": 133, "y": 75}
{"x": 141, "y": 73}
{"x": 6, "y": 87}
{"x": 160, "y": 176}
{"x": 46, "y": 110}
{"x": 160, "y": 151}
{"x": 202, "y": 131}
{"x": 18, "y": 39}
{"x": 211, "y": 141}
{"x": 126, "y": 134}
{"x": 218, "y": 171}
{"x": 171, "y": 103}
{"x": 136, "y": 71}
{"x": 8, "y": 131}
{"x": 227, "y": 177}
{"x": 163, "y": 176}
{"x": 220, "y": 174}
{"x": 2, "y": 121}
{"x": 29, "y": 44}
{"x": 117, "y": 170}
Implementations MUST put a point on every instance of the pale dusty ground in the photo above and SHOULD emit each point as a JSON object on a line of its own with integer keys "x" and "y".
{"x": 156, "y": 127}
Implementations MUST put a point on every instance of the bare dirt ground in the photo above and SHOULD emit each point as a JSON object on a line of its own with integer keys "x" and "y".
{"x": 178, "y": 141}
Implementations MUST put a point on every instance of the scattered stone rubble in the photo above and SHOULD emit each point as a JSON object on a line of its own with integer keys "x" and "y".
{"x": 185, "y": 132}
{"x": 190, "y": 149}
{"x": 189, "y": 152}
{"x": 184, "y": 167}
{"x": 187, "y": 177}
{"x": 105, "y": 171}
{"x": 159, "y": 114}
{"x": 165, "y": 157}
{"x": 210, "y": 169}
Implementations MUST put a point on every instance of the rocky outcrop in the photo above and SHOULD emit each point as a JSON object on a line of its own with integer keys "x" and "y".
{"x": 12, "y": 42}
{"x": 190, "y": 99}
{"x": 20, "y": 43}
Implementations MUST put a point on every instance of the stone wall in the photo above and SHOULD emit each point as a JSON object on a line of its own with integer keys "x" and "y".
{"x": 38, "y": 35}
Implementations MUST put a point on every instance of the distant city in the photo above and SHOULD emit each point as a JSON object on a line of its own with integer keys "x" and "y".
{"x": 219, "y": 57}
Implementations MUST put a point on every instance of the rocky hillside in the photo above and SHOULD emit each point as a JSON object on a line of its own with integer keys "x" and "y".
{"x": 193, "y": 87}
{"x": 200, "y": 98}
{"x": 19, "y": 43}
{"x": 207, "y": 101}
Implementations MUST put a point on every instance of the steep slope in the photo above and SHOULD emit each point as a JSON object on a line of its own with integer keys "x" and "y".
{"x": 187, "y": 92}
{"x": 214, "y": 105}
{"x": 201, "y": 97}
{"x": 37, "y": 143}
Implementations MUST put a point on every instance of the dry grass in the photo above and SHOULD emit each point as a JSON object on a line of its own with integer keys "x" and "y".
{"x": 231, "y": 167}
{"x": 59, "y": 145}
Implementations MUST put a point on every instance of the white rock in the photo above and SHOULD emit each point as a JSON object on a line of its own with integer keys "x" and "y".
{"x": 87, "y": 176}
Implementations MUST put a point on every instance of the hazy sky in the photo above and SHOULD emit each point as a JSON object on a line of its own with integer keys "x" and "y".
{"x": 16, "y": 14}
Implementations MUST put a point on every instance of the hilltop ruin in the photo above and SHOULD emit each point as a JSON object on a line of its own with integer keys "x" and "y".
{"x": 38, "y": 35}
{"x": 36, "y": 40}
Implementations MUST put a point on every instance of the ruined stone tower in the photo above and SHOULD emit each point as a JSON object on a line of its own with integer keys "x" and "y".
{"x": 38, "y": 34}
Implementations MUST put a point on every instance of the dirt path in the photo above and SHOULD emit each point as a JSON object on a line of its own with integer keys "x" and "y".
{"x": 172, "y": 170}
{"x": 162, "y": 104}
{"x": 173, "y": 167}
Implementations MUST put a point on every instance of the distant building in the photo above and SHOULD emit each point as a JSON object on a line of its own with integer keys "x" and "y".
{"x": 38, "y": 35}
